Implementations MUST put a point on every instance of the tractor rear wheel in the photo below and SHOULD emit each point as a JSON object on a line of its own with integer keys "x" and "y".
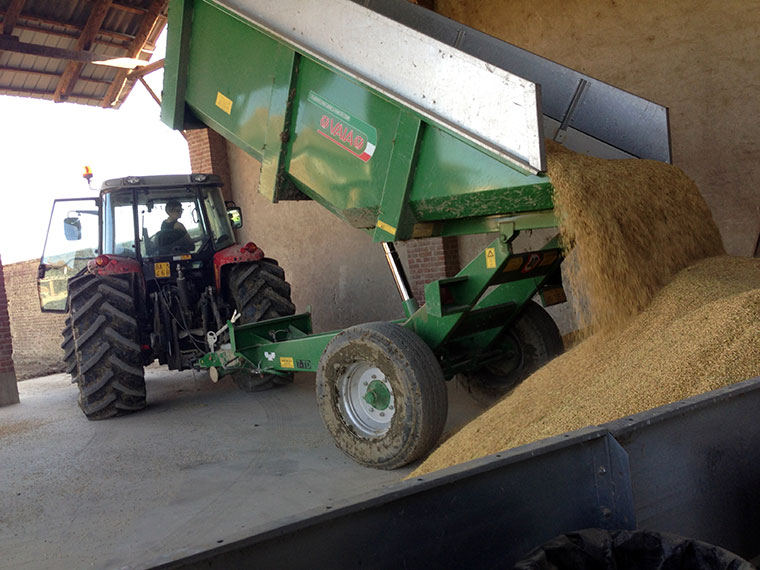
{"x": 381, "y": 394}
{"x": 532, "y": 341}
{"x": 104, "y": 343}
{"x": 259, "y": 292}
{"x": 69, "y": 356}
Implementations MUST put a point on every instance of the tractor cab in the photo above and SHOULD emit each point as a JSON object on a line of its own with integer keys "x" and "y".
{"x": 153, "y": 220}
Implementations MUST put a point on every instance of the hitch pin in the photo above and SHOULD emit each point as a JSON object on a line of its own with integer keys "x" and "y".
{"x": 212, "y": 337}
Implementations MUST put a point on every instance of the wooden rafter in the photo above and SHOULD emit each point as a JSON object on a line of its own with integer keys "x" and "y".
{"x": 84, "y": 43}
{"x": 40, "y": 93}
{"x": 12, "y": 44}
{"x": 119, "y": 39}
{"x": 130, "y": 9}
{"x": 11, "y": 16}
{"x": 146, "y": 25}
{"x": 145, "y": 69}
{"x": 50, "y": 74}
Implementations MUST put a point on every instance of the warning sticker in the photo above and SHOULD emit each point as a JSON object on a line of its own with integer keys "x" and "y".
{"x": 224, "y": 103}
{"x": 287, "y": 362}
{"x": 386, "y": 227}
{"x": 162, "y": 269}
{"x": 490, "y": 258}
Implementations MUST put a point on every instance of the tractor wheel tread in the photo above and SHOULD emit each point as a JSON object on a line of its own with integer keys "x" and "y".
{"x": 107, "y": 359}
{"x": 92, "y": 387}
{"x": 109, "y": 309}
{"x": 94, "y": 359}
{"x": 91, "y": 331}
{"x": 259, "y": 291}
{"x": 121, "y": 340}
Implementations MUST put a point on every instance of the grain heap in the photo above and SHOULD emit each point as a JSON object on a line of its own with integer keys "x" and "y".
{"x": 631, "y": 225}
{"x": 699, "y": 332}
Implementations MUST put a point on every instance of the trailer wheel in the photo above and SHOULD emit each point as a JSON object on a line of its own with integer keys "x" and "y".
{"x": 381, "y": 394}
{"x": 532, "y": 341}
{"x": 105, "y": 343}
{"x": 260, "y": 292}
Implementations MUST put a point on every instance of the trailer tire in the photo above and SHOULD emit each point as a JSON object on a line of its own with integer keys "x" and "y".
{"x": 381, "y": 394}
{"x": 534, "y": 340}
{"x": 105, "y": 333}
{"x": 259, "y": 292}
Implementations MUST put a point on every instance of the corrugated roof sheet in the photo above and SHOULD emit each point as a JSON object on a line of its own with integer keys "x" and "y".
{"x": 45, "y": 47}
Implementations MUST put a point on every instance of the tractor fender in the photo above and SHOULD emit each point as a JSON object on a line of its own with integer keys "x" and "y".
{"x": 113, "y": 265}
{"x": 234, "y": 254}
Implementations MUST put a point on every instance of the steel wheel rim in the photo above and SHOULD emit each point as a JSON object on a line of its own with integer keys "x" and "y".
{"x": 366, "y": 399}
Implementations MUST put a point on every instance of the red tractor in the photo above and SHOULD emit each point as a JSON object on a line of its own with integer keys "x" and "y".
{"x": 154, "y": 273}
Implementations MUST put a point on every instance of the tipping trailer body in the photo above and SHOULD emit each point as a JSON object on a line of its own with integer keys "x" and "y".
{"x": 403, "y": 136}
{"x": 396, "y": 132}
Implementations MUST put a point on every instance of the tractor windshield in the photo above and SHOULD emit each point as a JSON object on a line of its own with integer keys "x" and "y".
{"x": 170, "y": 222}
{"x": 166, "y": 221}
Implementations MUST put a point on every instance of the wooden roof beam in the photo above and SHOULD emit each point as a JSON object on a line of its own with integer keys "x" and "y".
{"x": 41, "y": 94}
{"x": 12, "y": 44}
{"x": 49, "y": 74}
{"x": 84, "y": 43}
{"x": 11, "y": 16}
{"x": 141, "y": 37}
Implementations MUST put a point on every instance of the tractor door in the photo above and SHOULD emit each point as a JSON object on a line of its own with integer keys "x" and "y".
{"x": 72, "y": 240}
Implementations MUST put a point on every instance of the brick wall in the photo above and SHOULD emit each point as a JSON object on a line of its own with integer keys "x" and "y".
{"x": 6, "y": 346}
{"x": 8, "y": 385}
{"x": 208, "y": 154}
{"x": 430, "y": 259}
{"x": 36, "y": 335}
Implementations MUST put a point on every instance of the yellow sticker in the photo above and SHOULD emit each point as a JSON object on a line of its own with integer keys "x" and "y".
{"x": 224, "y": 103}
{"x": 490, "y": 258}
{"x": 287, "y": 362}
{"x": 161, "y": 269}
{"x": 386, "y": 227}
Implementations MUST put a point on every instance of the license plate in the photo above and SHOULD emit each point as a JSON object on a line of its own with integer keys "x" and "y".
{"x": 162, "y": 269}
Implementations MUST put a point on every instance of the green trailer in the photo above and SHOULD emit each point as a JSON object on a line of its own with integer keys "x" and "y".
{"x": 402, "y": 136}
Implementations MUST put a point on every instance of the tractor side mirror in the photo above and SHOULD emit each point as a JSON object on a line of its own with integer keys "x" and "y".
{"x": 236, "y": 217}
{"x": 72, "y": 229}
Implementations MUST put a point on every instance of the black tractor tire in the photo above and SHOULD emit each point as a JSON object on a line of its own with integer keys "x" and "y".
{"x": 535, "y": 339}
{"x": 105, "y": 337}
{"x": 381, "y": 394}
{"x": 69, "y": 355}
{"x": 259, "y": 292}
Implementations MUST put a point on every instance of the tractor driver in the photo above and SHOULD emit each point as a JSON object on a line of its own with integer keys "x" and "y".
{"x": 173, "y": 236}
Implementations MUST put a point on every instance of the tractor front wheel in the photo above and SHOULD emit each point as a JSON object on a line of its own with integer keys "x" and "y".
{"x": 102, "y": 348}
{"x": 532, "y": 341}
{"x": 381, "y": 394}
{"x": 259, "y": 292}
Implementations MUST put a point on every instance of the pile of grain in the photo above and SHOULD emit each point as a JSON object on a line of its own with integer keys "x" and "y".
{"x": 634, "y": 227}
{"x": 631, "y": 225}
{"x": 701, "y": 332}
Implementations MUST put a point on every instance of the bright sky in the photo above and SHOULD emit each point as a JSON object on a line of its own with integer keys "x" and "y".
{"x": 44, "y": 147}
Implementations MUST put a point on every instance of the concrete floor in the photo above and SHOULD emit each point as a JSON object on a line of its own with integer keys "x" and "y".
{"x": 203, "y": 464}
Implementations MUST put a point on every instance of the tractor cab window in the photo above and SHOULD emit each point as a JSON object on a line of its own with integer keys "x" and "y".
{"x": 72, "y": 241}
{"x": 170, "y": 223}
{"x": 218, "y": 219}
{"x": 119, "y": 225}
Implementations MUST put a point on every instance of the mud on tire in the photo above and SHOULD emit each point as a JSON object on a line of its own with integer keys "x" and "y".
{"x": 259, "y": 291}
{"x": 381, "y": 394}
{"x": 103, "y": 341}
